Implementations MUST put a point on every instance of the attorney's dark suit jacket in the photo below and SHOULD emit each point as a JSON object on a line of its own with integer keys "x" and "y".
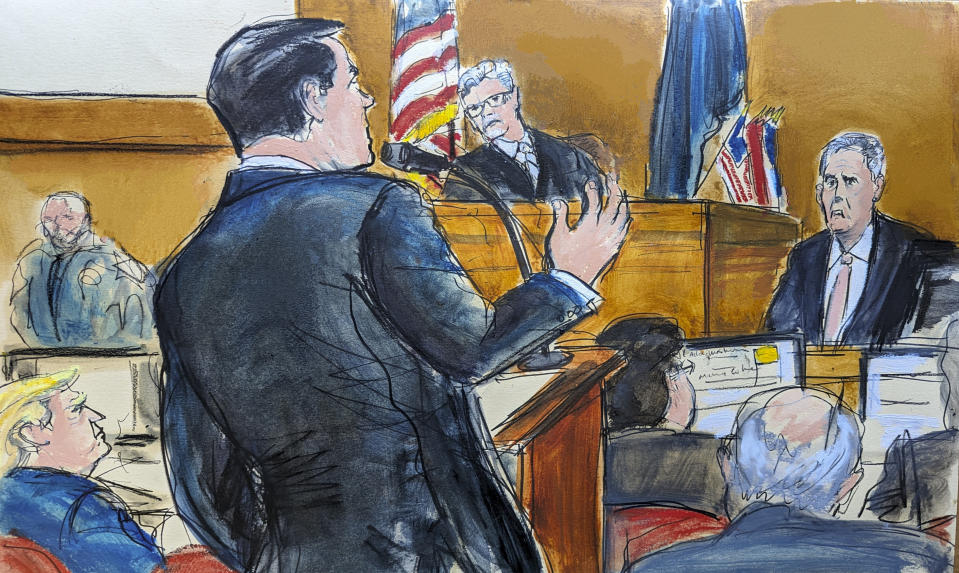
{"x": 320, "y": 344}
{"x": 914, "y": 487}
{"x": 766, "y": 538}
{"x": 564, "y": 170}
{"x": 897, "y": 264}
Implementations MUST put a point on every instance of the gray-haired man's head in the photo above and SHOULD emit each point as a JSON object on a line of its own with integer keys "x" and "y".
{"x": 491, "y": 100}
{"x": 65, "y": 218}
{"x": 795, "y": 447}
{"x": 852, "y": 174}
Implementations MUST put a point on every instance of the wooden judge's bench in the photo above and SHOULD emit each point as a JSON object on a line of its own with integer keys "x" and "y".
{"x": 711, "y": 266}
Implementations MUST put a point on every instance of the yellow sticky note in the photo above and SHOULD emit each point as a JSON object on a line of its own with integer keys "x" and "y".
{"x": 766, "y": 354}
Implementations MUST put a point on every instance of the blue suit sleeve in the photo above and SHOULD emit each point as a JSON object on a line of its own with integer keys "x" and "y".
{"x": 429, "y": 299}
{"x": 102, "y": 531}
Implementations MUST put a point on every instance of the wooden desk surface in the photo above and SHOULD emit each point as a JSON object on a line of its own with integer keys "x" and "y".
{"x": 837, "y": 370}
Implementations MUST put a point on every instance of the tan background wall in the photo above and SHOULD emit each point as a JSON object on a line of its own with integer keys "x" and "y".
{"x": 153, "y": 167}
{"x": 149, "y": 166}
{"x": 886, "y": 68}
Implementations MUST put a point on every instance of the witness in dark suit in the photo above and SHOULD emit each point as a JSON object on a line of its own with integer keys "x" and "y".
{"x": 321, "y": 342}
{"x": 857, "y": 282}
{"x": 518, "y": 162}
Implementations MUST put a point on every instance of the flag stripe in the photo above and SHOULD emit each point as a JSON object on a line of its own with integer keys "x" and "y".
{"x": 431, "y": 123}
{"x": 425, "y": 86}
{"x": 740, "y": 178}
{"x": 425, "y": 49}
{"x": 442, "y": 140}
{"x": 755, "y": 144}
{"x": 415, "y": 111}
{"x": 729, "y": 169}
{"x": 421, "y": 68}
{"x": 443, "y": 23}
{"x": 424, "y": 74}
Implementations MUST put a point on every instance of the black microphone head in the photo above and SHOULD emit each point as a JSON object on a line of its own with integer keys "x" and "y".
{"x": 407, "y": 157}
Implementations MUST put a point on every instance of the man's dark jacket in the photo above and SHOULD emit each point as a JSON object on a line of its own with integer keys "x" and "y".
{"x": 320, "y": 344}
{"x": 564, "y": 170}
{"x": 898, "y": 261}
{"x": 779, "y": 538}
{"x": 914, "y": 486}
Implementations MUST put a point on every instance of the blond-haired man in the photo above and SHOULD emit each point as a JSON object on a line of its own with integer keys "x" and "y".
{"x": 51, "y": 442}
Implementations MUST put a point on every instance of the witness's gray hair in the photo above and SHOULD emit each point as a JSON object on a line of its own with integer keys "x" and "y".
{"x": 764, "y": 465}
{"x": 495, "y": 69}
{"x": 866, "y": 144}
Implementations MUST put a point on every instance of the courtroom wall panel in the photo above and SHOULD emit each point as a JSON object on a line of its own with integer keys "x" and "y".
{"x": 151, "y": 167}
{"x": 886, "y": 67}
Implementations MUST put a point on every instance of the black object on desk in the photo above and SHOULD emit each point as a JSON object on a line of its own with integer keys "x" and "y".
{"x": 637, "y": 395}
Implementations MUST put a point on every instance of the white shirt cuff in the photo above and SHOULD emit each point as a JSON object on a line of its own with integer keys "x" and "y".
{"x": 586, "y": 294}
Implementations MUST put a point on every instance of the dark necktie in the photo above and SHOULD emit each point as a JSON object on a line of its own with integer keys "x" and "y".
{"x": 54, "y": 282}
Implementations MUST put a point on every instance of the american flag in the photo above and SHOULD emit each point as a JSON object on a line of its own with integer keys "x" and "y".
{"x": 747, "y": 161}
{"x": 423, "y": 104}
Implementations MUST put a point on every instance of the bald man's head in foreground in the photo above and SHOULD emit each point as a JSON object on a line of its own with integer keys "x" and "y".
{"x": 798, "y": 447}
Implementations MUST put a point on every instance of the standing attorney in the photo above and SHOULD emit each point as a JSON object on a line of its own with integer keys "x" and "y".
{"x": 321, "y": 341}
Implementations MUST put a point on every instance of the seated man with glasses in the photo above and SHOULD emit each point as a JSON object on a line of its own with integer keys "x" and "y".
{"x": 517, "y": 162}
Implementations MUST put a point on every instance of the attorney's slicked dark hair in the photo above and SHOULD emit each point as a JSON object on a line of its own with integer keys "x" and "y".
{"x": 256, "y": 87}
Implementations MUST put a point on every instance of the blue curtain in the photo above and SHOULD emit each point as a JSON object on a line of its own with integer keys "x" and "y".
{"x": 702, "y": 82}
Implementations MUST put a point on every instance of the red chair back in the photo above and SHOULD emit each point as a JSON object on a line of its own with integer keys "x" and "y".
{"x": 194, "y": 559}
{"x": 19, "y": 555}
{"x": 632, "y": 532}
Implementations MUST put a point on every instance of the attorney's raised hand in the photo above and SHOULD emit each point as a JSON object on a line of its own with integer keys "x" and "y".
{"x": 586, "y": 248}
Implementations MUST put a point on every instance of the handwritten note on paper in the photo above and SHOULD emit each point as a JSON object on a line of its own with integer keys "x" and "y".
{"x": 724, "y": 377}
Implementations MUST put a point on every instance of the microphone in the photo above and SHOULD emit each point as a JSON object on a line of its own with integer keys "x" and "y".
{"x": 407, "y": 157}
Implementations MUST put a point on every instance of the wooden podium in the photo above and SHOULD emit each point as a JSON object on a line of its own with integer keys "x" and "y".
{"x": 559, "y": 437}
{"x": 711, "y": 266}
